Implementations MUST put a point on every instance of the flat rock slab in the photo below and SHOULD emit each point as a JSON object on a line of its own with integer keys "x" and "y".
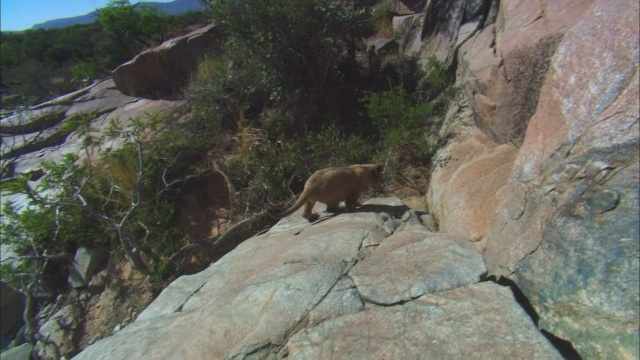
{"x": 481, "y": 321}
{"x": 436, "y": 263}
{"x": 251, "y": 300}
{"x": 304, "y": 290}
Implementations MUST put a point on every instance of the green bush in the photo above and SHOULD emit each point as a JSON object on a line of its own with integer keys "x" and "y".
{"x": 382, "y": 18}
{"x": 437, "y": 84}
{"x": 331, "y": 147}
{"x": 125, "y": 197}
{"x": 295, "y": 49}
{"x": 400, "y": 122}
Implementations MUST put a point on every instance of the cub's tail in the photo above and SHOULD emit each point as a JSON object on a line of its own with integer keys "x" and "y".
{"x": 298, "y": 204}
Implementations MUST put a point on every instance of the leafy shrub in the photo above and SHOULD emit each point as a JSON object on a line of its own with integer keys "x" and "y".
{"x": 435, "y": 83}
{"x": 400, "y": 122}
{"x": 295, "y": 48}
{"x": 331, "y": 147}
{"x": 382, "y": 18}
{"x": 123, "y": 200}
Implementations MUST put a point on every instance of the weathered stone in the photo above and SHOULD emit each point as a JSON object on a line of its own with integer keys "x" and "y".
{"x": 467, "y": 31}
{"x": 440, "y": 31}
{"x": 166, "y": 69}
{"x": 481, "y": 321}
{"x": 102, "y": 98}
{"x": 433, "y": 264}
{"x": 501, "y": 69}
{"x": 84, "y": 265}
{"x": 98, "y": 282}
{"x": 253, "y": 298}
{"x": 11, "y": 308}
{"x": 343, "y": 299}
{"x": 63, "y": 330}
{"x": 14, "y": 146}
{"x": 409, "y": 28}
{"x": 31, "y": 121}
{"x": 21, "y": 352}
{"x": 467, "y": 183}
{"x": 406, "y": 7}
{"x": 567, "y": 228}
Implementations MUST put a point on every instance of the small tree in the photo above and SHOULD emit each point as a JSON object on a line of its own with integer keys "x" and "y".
{"x": 299, "y": 44}
{"x": 131, "y": 27}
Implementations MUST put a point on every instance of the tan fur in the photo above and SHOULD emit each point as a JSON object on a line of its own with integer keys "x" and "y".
{"x": 333, "y": 185}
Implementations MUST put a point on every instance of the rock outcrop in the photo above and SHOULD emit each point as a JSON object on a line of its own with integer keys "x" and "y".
{"x": 567, "y": 228}
{"x": 543, "y": 166}
{"x": 47, "y": 131}
{"x": 163, "y": 71}
{"x": 314, "y": 291}
{"x": 84, "y": 265}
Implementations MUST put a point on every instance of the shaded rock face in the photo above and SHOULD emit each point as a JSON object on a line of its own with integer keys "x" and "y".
{"x": 22, "y": 352}
{"x": 406, "y": 7}
{"x": 309, "y": 291}
{"x": 12, "y": 305}
{"x": 84, "y": 265}
{"x": 63, "y": 330}
{"x": 442, "y": 26}
{"x": 163, "y": 71}
{"x": 444, "y": 325}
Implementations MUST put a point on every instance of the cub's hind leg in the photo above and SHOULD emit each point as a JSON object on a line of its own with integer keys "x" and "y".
{"x": 352, "y": 201}
{"x": 333, "y": 207}
{"x": 308, "y": 211}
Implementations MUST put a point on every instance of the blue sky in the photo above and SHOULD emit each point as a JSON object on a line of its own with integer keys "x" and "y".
{"x": 23, "y": 14}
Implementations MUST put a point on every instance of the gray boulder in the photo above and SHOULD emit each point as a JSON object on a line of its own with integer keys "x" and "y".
{"x": 21, "y": 352}
{"x": 277, "y": 293}
{"x": 61, "y": 331}
{"x": 84, "y": 265}
{"x": 481, "y": 321}
{"x": 435, "y": 263}
{"x": 162, "y": 71}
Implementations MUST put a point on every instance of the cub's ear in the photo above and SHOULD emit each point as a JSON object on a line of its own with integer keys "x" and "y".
{"x": 379, "y": 168}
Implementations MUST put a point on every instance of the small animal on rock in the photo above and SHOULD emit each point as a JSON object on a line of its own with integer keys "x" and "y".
{"x": 335, "y": 184}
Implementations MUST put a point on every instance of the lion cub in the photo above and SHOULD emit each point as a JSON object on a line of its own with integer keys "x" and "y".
{"x": 333, "y": 185}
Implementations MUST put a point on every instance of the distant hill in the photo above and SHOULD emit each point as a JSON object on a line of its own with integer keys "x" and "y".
{"x": 171, "y": 8}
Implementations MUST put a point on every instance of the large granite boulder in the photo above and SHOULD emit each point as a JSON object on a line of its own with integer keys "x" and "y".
{"x": 307, "y": 291}
{"x": 480, "y": 321}
{"x": 501, "y": 69}
{"x": 467, "y": 183}
{"x": 163, "y": 71}
{"x": 567, "y": 229}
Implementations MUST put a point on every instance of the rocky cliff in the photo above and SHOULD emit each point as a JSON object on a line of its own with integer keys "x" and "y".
{"x": 542, "y": 170}
{"x": 537, "y": 187}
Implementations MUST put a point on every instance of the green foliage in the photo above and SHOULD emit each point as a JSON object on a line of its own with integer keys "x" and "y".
{"x": 79, "y": 202}
{"x": 331, "y": 147}
{"x": 223, "y": 95}
{"x": 130, "y": 27}
{"x": 48, "y": 223}
{"x": 36, "y": 65}
{"x": 400, "y": 122}
{"x": 436, "y": 83}
{"x": 382, "y": 18}
{"x": 301, "y": 46}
